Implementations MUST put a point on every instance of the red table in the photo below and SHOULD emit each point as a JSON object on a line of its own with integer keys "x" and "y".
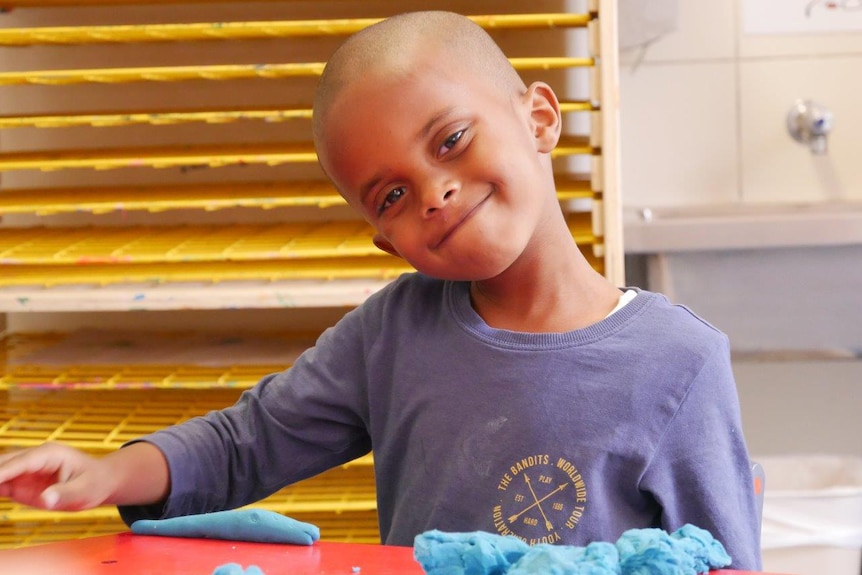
{"x": 127, "y": 554}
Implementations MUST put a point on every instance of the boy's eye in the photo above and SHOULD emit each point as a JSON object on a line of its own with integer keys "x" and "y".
{"x": 390, "y": 198}
{"x": 451, "y": 142}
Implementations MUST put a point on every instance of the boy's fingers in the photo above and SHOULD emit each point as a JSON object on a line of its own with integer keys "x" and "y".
{"x": 7, "y": 456}
{"x": 30, "y": 461}
{"x": 52, "y": 476}
{"x": 11, "y": 466}
{"x": 73, "y": 495}
{"x": 4, "y": 458}
{"x": 50, "y": 497}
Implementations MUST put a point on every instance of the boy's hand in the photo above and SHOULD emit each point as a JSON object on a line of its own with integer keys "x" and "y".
{"x": 55, "y": 476}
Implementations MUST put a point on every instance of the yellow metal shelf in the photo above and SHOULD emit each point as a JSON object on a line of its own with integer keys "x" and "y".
{"x": 120, "y": 360}
{"x": 206, "y": 273}
{"x": 158, "y": 198}
{"x": 98, "y": 421}
{"x": 196, "y": 156}
{"x": 155, "y": 117}
{"x": 208, "y": 197}
{"x": 159, "y": 157}
{"x": 335, "y": 491}
{"x": 159, "y": 118}
{"x": 213, "y": 273}
{"x": 228, "y": 72}
{"x": 132, "y": 377}
{"x": 204, "y": 243}
{"x": 252, "y": 30}
{"x": 191, "y": 243}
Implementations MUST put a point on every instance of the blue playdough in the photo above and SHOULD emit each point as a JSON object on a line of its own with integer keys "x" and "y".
{"x": 258, "y": 525}
{"x": 473, "y": 553}
{"x": 597, "y": 558}
{"x": 236, "y": 569}
{"x": 706, "y": 551}
{"x": 653, "y": 552}
{"x": 688, "y": 551}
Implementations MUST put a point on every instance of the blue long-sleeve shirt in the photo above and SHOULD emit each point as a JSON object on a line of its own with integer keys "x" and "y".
{"x": 570, "y": 437}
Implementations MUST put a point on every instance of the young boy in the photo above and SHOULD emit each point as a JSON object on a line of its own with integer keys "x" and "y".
{"x": 506, "y": 387}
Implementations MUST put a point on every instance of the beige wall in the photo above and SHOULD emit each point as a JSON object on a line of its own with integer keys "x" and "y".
{"x": 703, "y": 113}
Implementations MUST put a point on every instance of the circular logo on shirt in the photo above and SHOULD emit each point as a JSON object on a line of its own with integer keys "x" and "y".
{"x": 542, "y": 497}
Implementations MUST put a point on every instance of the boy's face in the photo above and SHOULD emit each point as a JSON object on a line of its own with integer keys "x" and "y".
{"x": 443, "y": 164}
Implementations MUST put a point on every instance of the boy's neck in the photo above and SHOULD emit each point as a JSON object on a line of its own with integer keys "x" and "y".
{"x": 548, "y": 294}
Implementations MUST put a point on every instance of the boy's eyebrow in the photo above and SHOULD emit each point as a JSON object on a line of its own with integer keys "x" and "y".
{"x": 434, "y": 119}
{"x": 367, "y": 187}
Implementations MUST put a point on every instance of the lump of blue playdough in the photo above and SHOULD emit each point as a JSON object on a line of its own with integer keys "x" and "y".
{"x": 706, "y": 551}
{"x": 597, "y": 558}
{"x": 688, "y": 551}
{"x": 653, "y": 552}
{"x": 473, "y": 553}
{"x": 258, "y": 525}
{"x": 236, "y": 569}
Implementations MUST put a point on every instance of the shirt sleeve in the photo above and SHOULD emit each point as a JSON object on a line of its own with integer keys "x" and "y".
{"x": 290, "y": 426}
{"x": 701, "y": 471}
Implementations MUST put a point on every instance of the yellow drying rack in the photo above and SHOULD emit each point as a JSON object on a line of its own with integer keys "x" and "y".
{"x": 94, "y": 421}
{"x": 209, "y": 197}
{"x": 227, "y": 72}
{"x": 78, "y": 377}
{"x": 207, "y": 273}
{"x": 186, "y": 243}
{"x": 213, "y": 156}
{"x": 204, "y": 243}
{"x": 333, "y": 250}
{"x": 198, "y": 31}
{"x": 166, "y": 117}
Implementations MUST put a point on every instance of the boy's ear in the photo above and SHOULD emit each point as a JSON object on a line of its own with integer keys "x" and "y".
{"x": 383, "y": 244}
{"x": 545, "y": 119}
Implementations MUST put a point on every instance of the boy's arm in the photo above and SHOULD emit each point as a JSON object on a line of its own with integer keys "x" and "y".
{"x": 56, "y": 476}
{"x": 701, "y": 472}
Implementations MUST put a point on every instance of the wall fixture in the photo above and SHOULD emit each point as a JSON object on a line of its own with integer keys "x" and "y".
{"x": 810, "y": 123}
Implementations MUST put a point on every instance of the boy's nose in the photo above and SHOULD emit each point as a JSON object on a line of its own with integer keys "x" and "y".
{"x": 436, "y": 197}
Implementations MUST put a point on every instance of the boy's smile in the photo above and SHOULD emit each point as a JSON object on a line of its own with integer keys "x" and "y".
{"x": 468, "y": 213}
{"x": 447, "y": 170}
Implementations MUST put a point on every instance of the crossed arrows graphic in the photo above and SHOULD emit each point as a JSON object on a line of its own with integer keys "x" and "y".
{"x": 537, "y": 503}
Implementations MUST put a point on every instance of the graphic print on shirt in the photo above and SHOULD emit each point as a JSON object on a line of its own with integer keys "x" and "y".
{"x": 542, "y": 498}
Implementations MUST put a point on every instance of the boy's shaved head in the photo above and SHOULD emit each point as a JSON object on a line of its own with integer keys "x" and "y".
{"x": 391, "y": 45}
